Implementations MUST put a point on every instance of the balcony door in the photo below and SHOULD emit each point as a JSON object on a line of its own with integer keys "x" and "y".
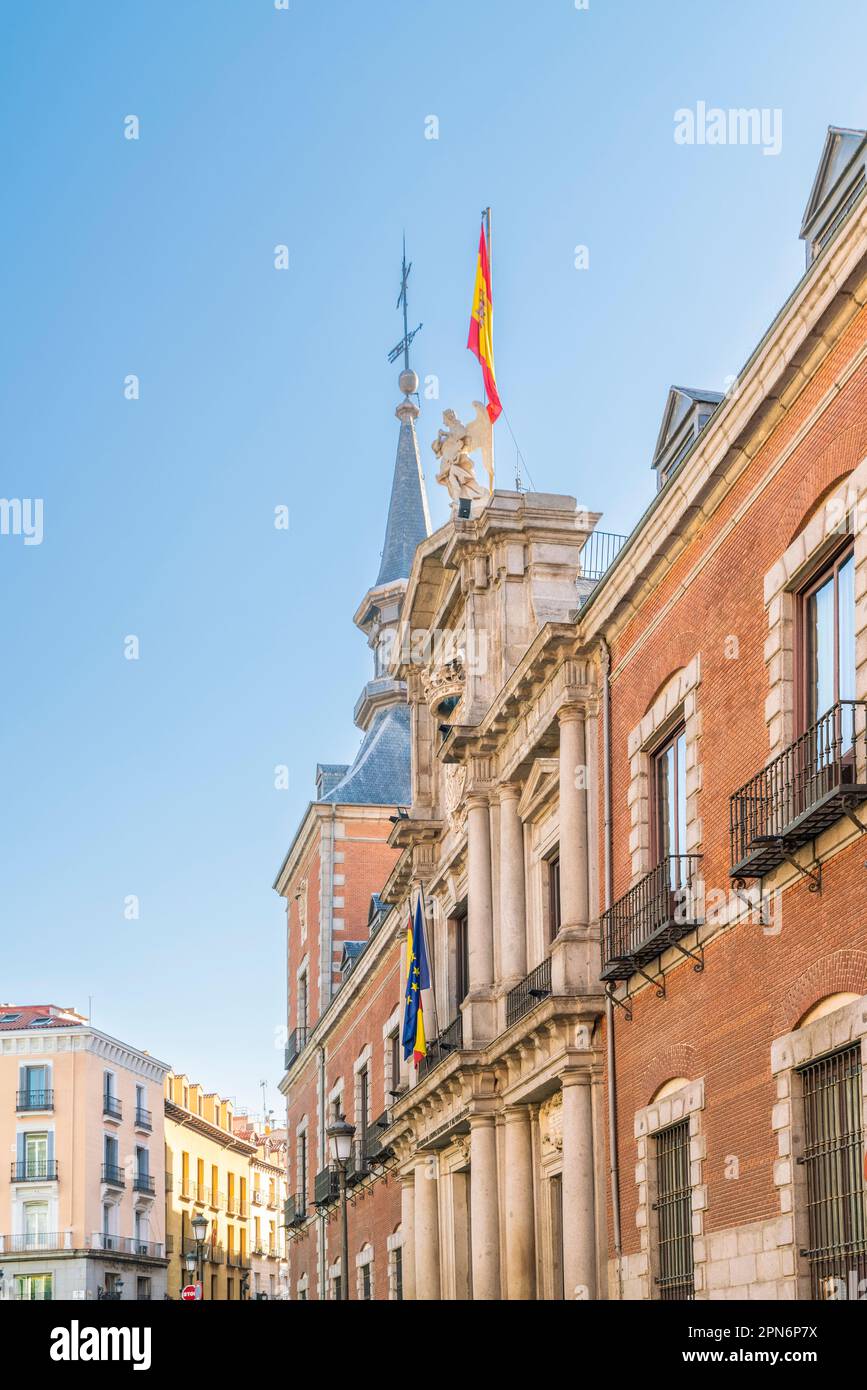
{"x": 36, "y": 1225}
{"x": 828, "y": 627}
{"x": 669, "y": 787}
{"x": 36, "y": 1155}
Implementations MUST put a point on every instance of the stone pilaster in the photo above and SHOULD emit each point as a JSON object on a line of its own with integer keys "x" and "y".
{"x": 520, "y": 1280}
{"x": 484, "y": 1208}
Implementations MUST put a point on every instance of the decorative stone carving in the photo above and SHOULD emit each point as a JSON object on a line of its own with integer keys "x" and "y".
{"x": 551, "y": 1124}
{"x": 455, "y": 786}
{"x": 444, "y": 681}
{"x": 301, "y": 900}
{"x": 453, "y": 447}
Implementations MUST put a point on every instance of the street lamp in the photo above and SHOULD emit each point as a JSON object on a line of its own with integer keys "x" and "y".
{"x": 199, "y": 1225}
{"x": 340, "y": 1137}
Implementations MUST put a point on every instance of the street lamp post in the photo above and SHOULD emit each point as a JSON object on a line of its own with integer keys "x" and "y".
{"x": 340, "y": 1137}
{"x": 200, "y": 1234}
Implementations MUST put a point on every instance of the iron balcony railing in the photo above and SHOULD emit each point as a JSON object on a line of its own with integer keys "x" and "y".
{"x": 295, "y": 1046}
{"x": 450, "y": 1040}
{"x": 35, "y": 1170}
{"x": 236, "y": 1260}
{"x": 656, "y": 913}
{"x": 599, "y": 553}
{"x": 126, "y": 1245}
{"x": 243, "y": 1207}
{"x": 143, "y": 1182}
{"x": 375, "y": 1151}
{"x": 113, "y": 1175}
{"x": 143, "y": 1118}
{"x": 326, "y": 1187}
{"x": 809, "y": 786}
{"x": 35, "y": 1241}
{"x": 34, "y": 1100}
{"x": 527, "y": 994}
{"x": 202, "y": 1195}
{"x": 295, "y": 1210}
{"x": 111, "y": 1107}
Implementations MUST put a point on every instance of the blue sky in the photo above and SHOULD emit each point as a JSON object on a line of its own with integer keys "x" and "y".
{"x": 260, "y": 387}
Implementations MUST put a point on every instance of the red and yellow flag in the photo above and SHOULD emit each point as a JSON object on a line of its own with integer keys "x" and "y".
{"x": 482, "y": 327}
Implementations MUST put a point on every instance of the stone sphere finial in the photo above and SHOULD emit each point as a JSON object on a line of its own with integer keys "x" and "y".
{"x": 408, "y": 382}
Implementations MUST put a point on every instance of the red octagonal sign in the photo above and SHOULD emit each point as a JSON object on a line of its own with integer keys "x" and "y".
{"x": 188, "y": 1293}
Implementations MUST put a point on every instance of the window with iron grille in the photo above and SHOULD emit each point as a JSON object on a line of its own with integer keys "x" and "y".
{"x": 833, "y": 1157}
{"x": 365, "y": 1282}
{"x": 673, "y": 1207}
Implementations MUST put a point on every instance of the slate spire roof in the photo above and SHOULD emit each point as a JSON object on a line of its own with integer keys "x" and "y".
{"x": 408, "y": 519}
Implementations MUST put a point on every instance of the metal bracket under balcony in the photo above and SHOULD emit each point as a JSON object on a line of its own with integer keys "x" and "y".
{"x": 654, "y": 915}
{"x": 818, "y": 779}
{"x": 375, "y": 1151}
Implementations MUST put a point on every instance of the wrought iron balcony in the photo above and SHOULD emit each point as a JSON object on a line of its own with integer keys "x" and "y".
{"x": 526, "y": 995}
{"x": 126, "y": 1245}
{"x": 143, "y": 1182}
{"x": 35, "y": 1170}
{"x": 326, "y": 1187}
{"x": 599, "y": 553}
{"x": 295, "y": 1046}
{"x": 236, "y": 1260}
{"x": 143, "y": 1118}
{"x": 810, "y": 785}
{"x": 375, "y": 1151}
{"x": 35, "y": 1241}
{"x": 113, "y": 1176}
{"x": 450, "y": 1040}
{"x": 202, "y": 1195}
{"x": 111, "y": 1107}
{"x": 653, "y": 915}
{"x": 295, "y": 1210}
{"x": 34, "y": 1100}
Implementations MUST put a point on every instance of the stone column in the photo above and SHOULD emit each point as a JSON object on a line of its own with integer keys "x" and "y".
{"x": 479, "y": 907}
{"x": 579, "y": 1206}
{"x": 574, "y": 904}
{"x": 513, "y": 918}
{"x": 407, "y": 1229}
{"x": 427, "y": 1232}
{"x": 518, "y": 1207}
{"x": 484, "y": 1208}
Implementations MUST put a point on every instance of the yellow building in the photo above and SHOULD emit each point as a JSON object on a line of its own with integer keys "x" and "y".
{"x": 207, "y": 1174}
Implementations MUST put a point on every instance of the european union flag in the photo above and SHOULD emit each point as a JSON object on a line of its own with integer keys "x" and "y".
{"x": 417, "y": 979}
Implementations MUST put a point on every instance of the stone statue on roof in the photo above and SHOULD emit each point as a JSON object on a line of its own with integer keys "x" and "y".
{"x": 453, "y": 447}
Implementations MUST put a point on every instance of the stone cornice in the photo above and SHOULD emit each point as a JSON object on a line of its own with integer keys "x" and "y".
{"x": 783, "y": 363}
{"x": 30, "y": 1042}
{"x": 207, "y": 1130}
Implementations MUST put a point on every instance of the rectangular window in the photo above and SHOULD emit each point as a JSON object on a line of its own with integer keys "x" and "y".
{"x": 365, "y": 1283}
{"x": 36, "y": 1226}
{"x": 34, "y": 1286}
{"x": 673, "y": 1207}
{"x": 553, "y": 896}
{"x": 36, "y": 1155}
{"x": 302, "y": 1168}
{"x": 833, "y": 1158}
{"x": 363, "y": 1107}
{"x": 335, "y": 1288}
{"x": 302, "y": 1003}
{"x": 398, "y": 1274}
{"x": 143, "y": 1288}
{"x": 462, "y": 960}
{"x": 394, "y": 1053}
{"x": 828, "y": 623}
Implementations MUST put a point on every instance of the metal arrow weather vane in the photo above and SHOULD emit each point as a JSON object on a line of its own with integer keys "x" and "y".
{"x": 403, "y": 299}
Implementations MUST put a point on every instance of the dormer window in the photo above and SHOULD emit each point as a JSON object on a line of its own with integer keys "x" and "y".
{"x": 687, "y": 411}
{"x": 840, "y": 181}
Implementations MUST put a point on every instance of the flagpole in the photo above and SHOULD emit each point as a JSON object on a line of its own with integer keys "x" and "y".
{"x": 430, "y": 959}
{"x": 487, "y": 217}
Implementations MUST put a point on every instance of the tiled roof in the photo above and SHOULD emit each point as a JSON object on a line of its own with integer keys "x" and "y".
{"x": 408, "y": 522}
{"x": 380, "y": 775}
{"x": 14, "y": 1018}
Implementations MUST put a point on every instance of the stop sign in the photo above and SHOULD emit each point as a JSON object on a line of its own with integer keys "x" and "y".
{"x": 188, "y": 1293}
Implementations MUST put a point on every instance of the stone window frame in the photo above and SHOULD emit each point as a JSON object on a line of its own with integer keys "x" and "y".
{"x": 676, "y": 702}
{"x": 782, "y": 584}
{"x": 303, "y": 970}
{"x": 302, "y": 1285}
{"x": 393, "y": 1243}
{"x": 789, "y": 1053}
{"x": 362, "y": 1063}
{"x": 687, "y": 1103}
{"x": 301, "y": 1133}
{"x": 334, "y": 1272}
{"x": 364, "y": 1260}
{"x": 390, "y": 1082}
{"x": 335, "y": 1098}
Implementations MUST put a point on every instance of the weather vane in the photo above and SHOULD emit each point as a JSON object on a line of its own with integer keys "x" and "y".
{"x": 403, "y": 300}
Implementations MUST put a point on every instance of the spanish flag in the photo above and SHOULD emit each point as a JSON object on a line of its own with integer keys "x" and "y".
{"x": 417, "y": 979}
{"x": 481, "y": 341}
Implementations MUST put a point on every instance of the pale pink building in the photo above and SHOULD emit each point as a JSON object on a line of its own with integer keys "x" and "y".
{"x": 82, "y": 1197}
